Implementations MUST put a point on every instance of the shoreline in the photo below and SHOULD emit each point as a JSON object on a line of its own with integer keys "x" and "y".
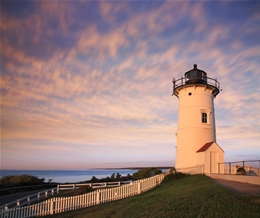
{"x": 114, "y": 168}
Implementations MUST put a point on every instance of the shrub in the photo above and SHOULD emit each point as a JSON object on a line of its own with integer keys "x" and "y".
{"x": 21, "y": 180}
{"x": 146, "y": 173}
{"x": 241, "y": 171}
{"x": 83, "y": 190}
{"x": 173, "y": 176}
{"x": 94, "y": 179}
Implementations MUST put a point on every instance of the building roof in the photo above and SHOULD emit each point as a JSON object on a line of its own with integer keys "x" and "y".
{"x": 205, "y": 147}
{"x": 197, "y": 71}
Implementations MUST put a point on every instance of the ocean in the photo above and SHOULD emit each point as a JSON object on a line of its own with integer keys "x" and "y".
{"x": 70, "y": 176}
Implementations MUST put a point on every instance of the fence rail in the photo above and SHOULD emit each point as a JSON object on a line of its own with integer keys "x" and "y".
{"x": 24, "y": 188}
{"x": 30, "y": 198}
{"x": 250, "y": 167}
{"x": 93, "y": 185}
{"x": 62, "y": 204}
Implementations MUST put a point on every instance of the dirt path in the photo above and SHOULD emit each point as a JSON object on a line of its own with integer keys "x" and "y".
{"x": 239, "y": 187}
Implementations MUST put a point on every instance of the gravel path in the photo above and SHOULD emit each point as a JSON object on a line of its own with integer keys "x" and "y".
{"x": 239, "y": 187}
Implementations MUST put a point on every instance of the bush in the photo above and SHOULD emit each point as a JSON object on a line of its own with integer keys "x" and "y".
{"x": 83, "y": 190}
{"x": 146, "y": 173}
{"x": 21, "y": 180}
{"x": 94, "y": 179}
{"x": 241, "y": 171}
{"x": 173, "y": 176}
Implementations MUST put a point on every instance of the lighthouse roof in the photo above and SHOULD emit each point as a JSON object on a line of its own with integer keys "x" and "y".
{"x": 196, "y": 77}
{"x": 195, "y": 71}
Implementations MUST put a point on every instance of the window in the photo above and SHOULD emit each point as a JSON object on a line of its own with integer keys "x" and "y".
{"x": 204, "y": 118}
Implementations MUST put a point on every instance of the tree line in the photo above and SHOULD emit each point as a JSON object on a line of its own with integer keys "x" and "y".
{"x": 28, "y": 180}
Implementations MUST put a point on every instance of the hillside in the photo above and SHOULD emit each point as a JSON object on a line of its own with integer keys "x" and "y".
{"x": 192, "y": 196}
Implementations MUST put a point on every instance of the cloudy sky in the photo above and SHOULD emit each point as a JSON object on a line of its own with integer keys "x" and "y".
{"x": 88, "y": 83}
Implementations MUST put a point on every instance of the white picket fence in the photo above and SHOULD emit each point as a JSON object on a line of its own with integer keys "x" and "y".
{"x": 62, "y": 204}
{"x": 48, "y": 193}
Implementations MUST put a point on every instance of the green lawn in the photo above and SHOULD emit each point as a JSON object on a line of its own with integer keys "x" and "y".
{"x": 192, "y": 196}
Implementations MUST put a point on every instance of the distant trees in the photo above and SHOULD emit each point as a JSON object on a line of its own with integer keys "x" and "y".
{"x": 94, "y": 179}
{"x": 146, "y": 173}
{"x": 21, "y": 180}
{"x": 114, "y": 177}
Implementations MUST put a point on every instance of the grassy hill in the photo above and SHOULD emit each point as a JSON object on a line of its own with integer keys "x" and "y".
{"x": 191, "y": 196}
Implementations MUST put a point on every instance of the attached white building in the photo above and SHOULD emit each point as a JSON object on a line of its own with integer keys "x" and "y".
{"x": 196, "y": 134}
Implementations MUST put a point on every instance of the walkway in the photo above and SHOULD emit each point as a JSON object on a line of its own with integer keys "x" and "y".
{"x": 239, "y": 187}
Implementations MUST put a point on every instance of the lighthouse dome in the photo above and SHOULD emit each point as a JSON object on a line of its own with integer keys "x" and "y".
{"x": 195, "y": 76}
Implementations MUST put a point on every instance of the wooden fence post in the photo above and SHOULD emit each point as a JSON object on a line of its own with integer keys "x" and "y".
{"x": 18, "y": 203}
{"x": 139, "y": 188}
{"x": 51, "y": 206}
{"x": 98, "y": 197}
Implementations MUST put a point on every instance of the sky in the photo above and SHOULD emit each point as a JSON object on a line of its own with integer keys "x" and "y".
{"x": 88, "y": 84}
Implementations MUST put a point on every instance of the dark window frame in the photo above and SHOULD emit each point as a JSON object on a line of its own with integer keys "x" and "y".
{"x": 204, "y": 117}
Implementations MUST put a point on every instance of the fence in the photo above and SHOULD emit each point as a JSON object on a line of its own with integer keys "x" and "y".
{"x": 231, "y": 168}
{"x": 62, "y": 204}
{"x": 44, "y": 194}
{"x": 30, "y": 198}
{"x": 25, "y": 188}
{"x": 93, "y": 185}
{"x": 192, "y": 170}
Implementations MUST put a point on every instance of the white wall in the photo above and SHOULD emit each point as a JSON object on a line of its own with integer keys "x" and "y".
{"x": 192, "y": 134}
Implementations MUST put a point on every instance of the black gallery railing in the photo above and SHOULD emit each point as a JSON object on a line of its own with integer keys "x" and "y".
{"x": 197, "y": 80}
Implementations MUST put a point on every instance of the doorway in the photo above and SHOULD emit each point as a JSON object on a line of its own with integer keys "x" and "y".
{"x": 213, "y": 162}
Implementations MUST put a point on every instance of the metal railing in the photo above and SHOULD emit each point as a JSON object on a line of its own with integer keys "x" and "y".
{"x": 248, "y": 167}
{"x": 202, "y": 80}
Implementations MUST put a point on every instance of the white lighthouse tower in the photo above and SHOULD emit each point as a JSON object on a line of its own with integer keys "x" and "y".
{"x": 196, "y": 134}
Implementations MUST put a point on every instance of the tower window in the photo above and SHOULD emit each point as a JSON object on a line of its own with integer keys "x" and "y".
{"x": 204, "y": 118}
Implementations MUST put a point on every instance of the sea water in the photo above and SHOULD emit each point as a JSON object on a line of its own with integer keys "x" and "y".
{"x": 68, "y": 176}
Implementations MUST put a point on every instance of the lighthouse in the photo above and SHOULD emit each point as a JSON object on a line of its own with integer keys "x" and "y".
{"x": 196, "y": 132}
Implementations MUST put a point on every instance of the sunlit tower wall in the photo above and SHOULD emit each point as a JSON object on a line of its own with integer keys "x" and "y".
{"x": 196, "y": 117}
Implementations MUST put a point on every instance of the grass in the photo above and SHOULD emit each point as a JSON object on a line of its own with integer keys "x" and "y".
{"x": 192, "y": 196}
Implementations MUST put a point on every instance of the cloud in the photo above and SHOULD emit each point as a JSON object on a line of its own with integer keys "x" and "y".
{"x": 97, "y": 77}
